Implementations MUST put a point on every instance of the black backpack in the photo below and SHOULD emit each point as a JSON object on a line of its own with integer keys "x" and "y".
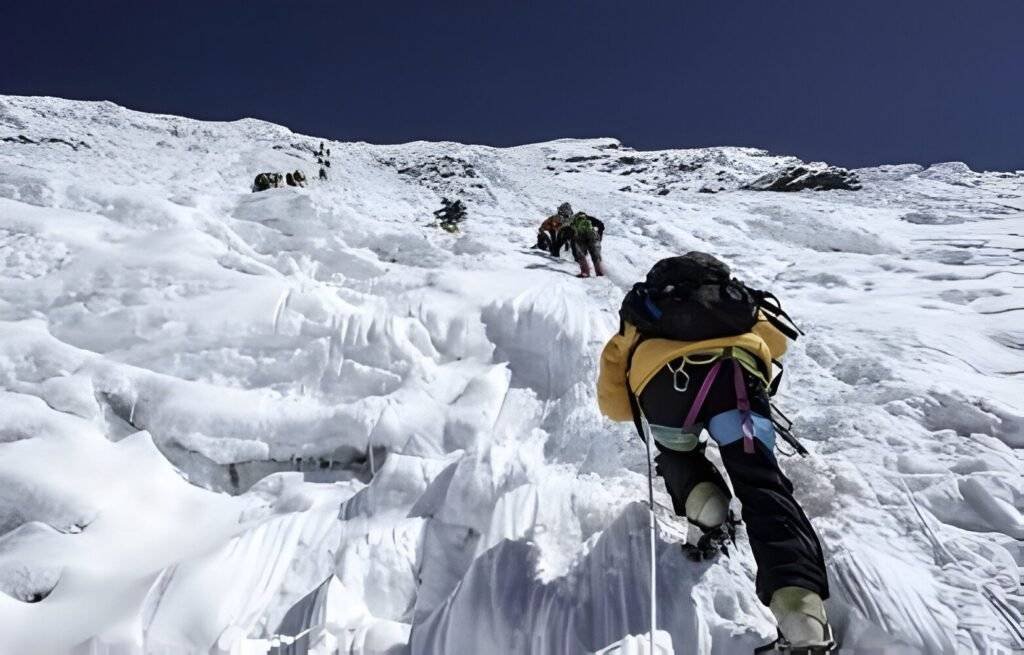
{"x": 694, "y": 297}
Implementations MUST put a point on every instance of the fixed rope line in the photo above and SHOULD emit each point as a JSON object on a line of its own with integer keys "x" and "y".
{"x": 653, "y": 521}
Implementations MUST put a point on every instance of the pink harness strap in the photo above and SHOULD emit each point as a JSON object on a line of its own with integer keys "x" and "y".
{"x": 702, "y": 395}
{"x": 743, "y": 404}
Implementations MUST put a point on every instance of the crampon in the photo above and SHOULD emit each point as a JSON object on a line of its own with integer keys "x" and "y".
{"x": 781, "y": 646}
{"x": 714, "y": 541}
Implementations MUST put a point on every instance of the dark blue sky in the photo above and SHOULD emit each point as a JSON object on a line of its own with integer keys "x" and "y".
{"x": 851, "y": 82}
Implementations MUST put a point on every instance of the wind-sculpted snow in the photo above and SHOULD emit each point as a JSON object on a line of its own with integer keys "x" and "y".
{"x": 591, "y": 605}
{"x": 304, "y": 420}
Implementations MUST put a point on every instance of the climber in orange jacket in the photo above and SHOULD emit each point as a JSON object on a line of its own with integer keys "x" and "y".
{"x": 547, "y": 234}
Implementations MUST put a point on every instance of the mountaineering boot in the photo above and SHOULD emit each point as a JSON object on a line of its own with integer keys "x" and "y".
{"x": 803, "y": 626}
{"x": 711, "y": 527}
{"x": 598, "y": 269}
{"x": 584, "y": 268}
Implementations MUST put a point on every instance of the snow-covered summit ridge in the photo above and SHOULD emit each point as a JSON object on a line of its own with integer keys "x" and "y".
{"x": 354, "y": 393}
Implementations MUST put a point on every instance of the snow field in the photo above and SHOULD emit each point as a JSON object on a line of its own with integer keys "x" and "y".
{"x": 215, "y": 403}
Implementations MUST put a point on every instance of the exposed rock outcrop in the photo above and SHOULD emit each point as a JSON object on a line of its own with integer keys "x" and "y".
{"x": 809, "y": 176}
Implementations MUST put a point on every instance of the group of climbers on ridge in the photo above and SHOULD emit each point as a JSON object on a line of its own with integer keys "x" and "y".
{"x": 266, "y": 181}
{"x": 579, "y": 231}
{"x": 323, "y": 158}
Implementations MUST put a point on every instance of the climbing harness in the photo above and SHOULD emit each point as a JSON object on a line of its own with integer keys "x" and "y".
{"x": 742, "y": 402}
{"x": 781, "y": 423}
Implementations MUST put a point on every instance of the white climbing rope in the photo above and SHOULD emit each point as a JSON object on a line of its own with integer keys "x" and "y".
{"x": 653, "y": 527}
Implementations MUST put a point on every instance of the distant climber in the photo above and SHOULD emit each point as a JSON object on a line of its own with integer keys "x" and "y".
{"x": 546, "y": 235}
{"x": 289, "y": 179}
{"x": 583, "y": 234}
{"x": 323, "y": 174}
{"x": 261, "y": 183}
{"x": 266, "y": 181}
{"x": 300, "y": 178}
{"x": 451, "y": 214}
{"x": 694, "y": 352}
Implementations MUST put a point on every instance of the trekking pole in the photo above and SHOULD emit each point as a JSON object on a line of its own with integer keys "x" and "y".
{"x": 653, "y": 527}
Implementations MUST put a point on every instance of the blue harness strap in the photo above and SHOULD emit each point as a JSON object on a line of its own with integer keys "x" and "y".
{"x": 727, "y": 428}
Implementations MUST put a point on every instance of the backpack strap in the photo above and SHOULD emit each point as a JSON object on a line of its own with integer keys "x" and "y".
{"x": 773, "y": 386}
{"x": 743, "y": 404}
{"x": 792, "y": 332}
{"x": 702, "y": 395}
{"x": 634, "y": 403}
{"x": 773, "y": 312}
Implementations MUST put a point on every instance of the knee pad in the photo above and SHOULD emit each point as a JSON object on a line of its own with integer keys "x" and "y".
{"x": 707, "y": 505}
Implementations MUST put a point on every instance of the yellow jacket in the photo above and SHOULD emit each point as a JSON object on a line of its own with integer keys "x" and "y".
{"x": 764, "y": 342}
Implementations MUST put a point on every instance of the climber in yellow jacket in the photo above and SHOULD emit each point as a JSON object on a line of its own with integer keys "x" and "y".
{"x": 676, "y": 388}
{"x": 757, "y": 348}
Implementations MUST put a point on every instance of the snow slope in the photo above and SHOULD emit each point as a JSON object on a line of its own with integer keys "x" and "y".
{"x": 215, "y": 404}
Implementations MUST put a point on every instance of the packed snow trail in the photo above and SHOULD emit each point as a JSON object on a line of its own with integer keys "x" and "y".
{"x": 215, "y": 404}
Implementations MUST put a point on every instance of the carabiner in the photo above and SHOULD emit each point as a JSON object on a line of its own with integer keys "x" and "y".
{"x": 675, "y": 376}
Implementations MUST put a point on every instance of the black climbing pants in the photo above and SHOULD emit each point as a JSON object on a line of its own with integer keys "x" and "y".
{"x": 587, "y": 244}
{"x": 785, "y": 546}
